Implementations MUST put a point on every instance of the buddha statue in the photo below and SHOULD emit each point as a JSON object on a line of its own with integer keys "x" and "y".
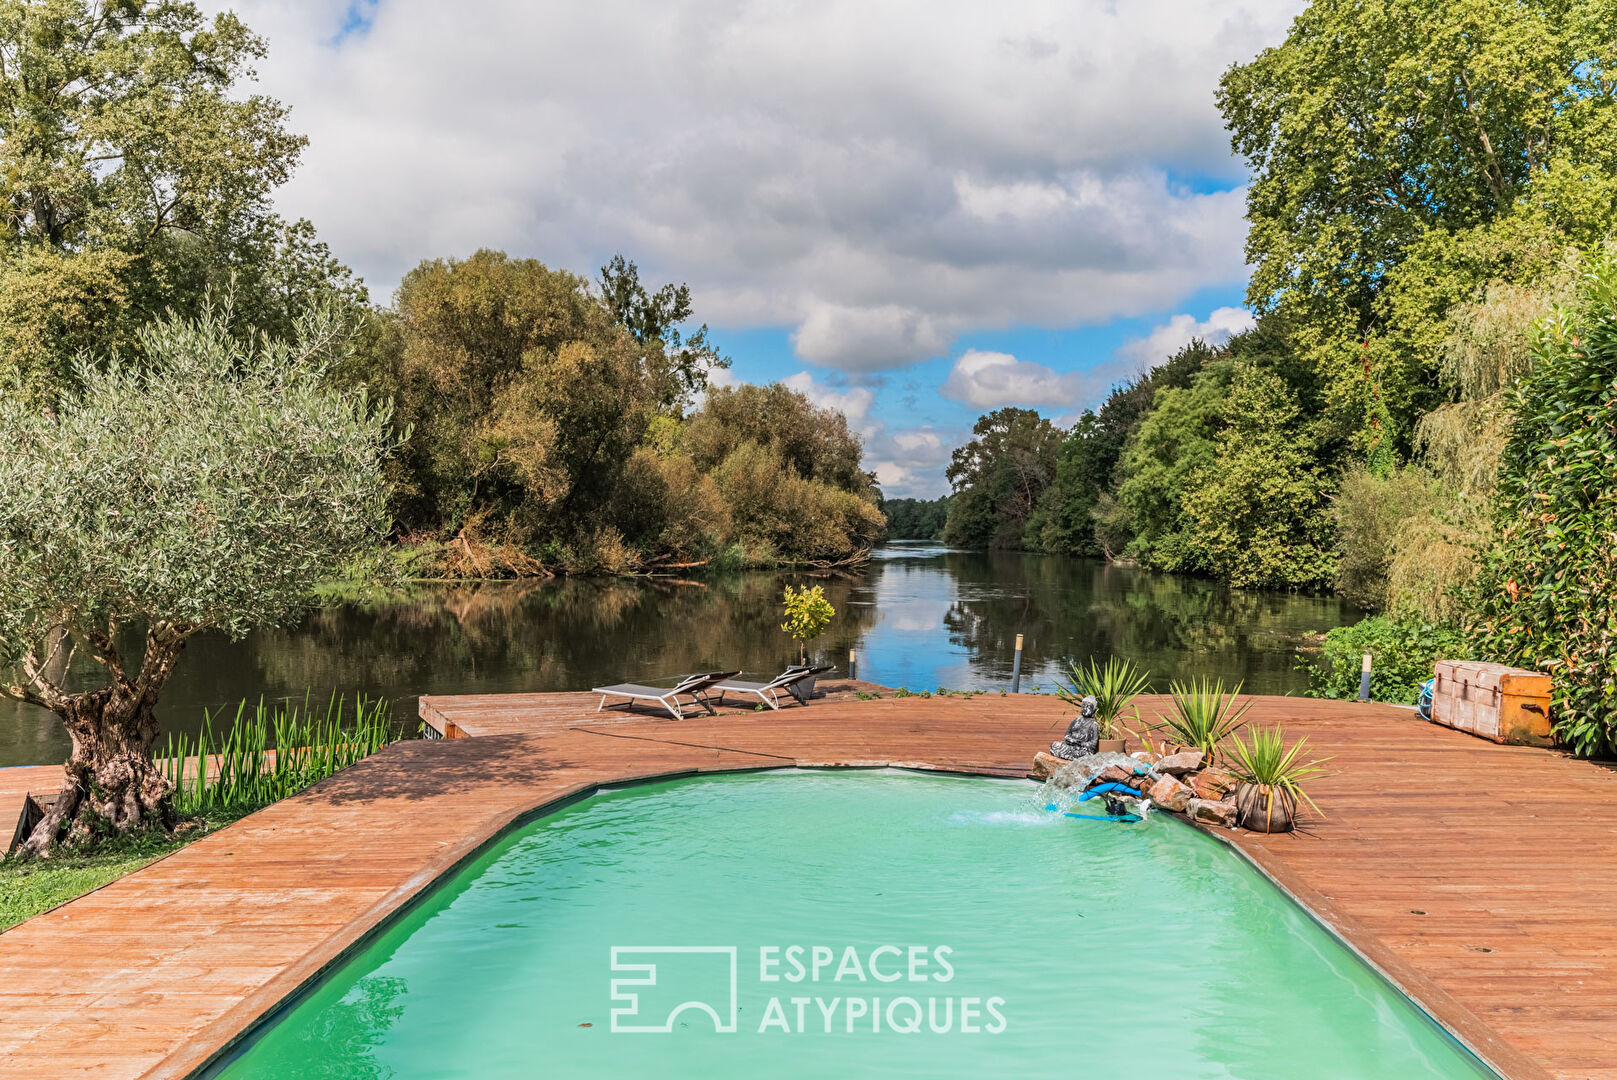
{"x": 1083, "y": 734}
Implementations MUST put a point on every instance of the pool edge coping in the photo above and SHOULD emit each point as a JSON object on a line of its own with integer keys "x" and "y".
{"x": 222, "y": 1036}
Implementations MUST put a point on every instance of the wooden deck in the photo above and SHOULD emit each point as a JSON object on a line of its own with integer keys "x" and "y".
{"x": 1480, "y": 878}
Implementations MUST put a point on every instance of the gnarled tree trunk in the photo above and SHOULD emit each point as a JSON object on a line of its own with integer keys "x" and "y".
{"x": 112, "y": 783}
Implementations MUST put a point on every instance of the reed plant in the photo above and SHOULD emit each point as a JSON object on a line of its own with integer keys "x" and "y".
{"x": 271, "y": 751}
{"x": 1114, "y": 688}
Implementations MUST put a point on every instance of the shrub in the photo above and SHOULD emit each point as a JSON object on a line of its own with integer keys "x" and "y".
{"x": 1547, "y": 595}
{"x": 1402, "y": 656}
{"x": 1371, "y": 513}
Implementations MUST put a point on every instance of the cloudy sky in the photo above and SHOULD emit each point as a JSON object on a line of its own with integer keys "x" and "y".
{"x": 914, "y": 212}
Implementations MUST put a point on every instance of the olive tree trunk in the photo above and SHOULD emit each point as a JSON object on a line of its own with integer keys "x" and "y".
{"x": 112, "y": 783}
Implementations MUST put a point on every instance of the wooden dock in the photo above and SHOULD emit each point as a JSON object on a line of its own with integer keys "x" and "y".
{"x": 1477, "y": 877}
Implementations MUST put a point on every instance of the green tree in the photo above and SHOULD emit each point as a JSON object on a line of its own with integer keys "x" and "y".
{"x": 210, "y": 491}
{"x": 1405, "y": 152}
{"x": 1257, "y": 512}
{"x": 999, "y": 476}
{"x": 490, "y": 358}
{"x": 1547, "y": 594}
{"x": 1066, "y": 518}
{"x": 814, "y": 442}
{"x": 134, "y": 174}
{"x": 789, "y": 474}
{"x": 1174, "y": 441}
{"x": 915, "y": 519}
{"x": 807, "y": 613}
{"x": 656, "y": 318}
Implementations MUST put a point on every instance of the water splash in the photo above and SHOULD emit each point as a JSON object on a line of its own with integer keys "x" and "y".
{"x": 1061, "y": 793}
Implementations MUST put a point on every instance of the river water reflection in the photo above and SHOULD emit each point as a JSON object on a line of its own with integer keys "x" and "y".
{"x": 919, "y": 615}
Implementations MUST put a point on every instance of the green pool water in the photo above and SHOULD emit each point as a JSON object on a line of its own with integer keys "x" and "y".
{"x": 1019, "y": 943}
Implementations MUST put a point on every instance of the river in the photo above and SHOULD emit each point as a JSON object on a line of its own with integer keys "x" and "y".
{"x": 919, "y": 615}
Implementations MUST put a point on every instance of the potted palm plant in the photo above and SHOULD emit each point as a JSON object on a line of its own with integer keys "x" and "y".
{"x": 1203, "y": 716}
{"x": 1114, "y": 688}
{"x": 1271, "y": 776}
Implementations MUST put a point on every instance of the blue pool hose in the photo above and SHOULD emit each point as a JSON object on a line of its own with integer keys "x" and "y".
{"x": 1102, "y": 789}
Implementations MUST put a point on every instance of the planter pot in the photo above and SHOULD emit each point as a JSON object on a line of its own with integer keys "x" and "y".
{"x": 1265, "y": 809}
{"x": 1113, "y": 746}
{"x": 804, "y": 690}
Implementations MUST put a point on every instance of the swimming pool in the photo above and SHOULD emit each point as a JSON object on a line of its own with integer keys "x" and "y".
{"x": 856, "y": 924}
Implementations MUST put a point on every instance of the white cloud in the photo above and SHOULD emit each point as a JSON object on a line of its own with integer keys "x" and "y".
{"x": 1173, "y": 335}
{"x": 723, "y": 377}
{"x": 853, "y": 403}
{"x": 909, "y": 463}
{"x": 880, "y": 177}
{"x": 990, "y": 379}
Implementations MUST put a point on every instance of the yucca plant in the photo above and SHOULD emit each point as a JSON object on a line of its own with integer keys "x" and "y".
{"x": 271, "y": 752}
{"x": 1114, "y": 688}
{"x": 1203, "y": 715}
{"x": 1272, "y": 777}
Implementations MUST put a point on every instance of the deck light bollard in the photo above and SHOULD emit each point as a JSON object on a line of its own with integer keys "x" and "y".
{"x": 1364, "y": 679}
{"x": 1016, "y": 668}
{"x": 853, "y": 664}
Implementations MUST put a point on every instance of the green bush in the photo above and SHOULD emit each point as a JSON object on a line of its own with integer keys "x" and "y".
{"x": 1402, "y": 656}
{"x": 1547, "y": 595}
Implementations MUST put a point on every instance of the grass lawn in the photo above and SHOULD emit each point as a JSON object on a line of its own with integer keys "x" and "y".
{"x": 30, "y": 886}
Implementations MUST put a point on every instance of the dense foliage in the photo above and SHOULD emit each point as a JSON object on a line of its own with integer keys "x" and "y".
{"x": 135, "y": 173}
{"x": 1547, "y": 595}
{"x": 915, "y": 519}
{"x": 1403, "y": 654}
{"x": 548, "y": 426}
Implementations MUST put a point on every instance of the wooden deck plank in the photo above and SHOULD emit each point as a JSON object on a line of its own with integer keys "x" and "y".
{"x": 1504, "y": 849}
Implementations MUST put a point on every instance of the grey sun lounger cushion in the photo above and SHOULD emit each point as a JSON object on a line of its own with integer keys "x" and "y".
{"x": 769, "y": 692}
{"x": 694, "y": 687}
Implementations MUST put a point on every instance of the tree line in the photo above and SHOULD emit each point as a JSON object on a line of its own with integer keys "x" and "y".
{"x": 1420, "y": 418}
{"x": 545, "y": 421}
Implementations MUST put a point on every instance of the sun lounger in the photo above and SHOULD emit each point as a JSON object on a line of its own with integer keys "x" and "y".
{"x": 694, "y": 687}
{"x": 769, "y": 692}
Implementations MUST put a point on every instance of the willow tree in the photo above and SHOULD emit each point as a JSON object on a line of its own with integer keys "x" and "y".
{"x": 211, "y": 487}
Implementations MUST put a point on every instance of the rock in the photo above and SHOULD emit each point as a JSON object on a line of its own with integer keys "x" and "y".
{"x": 1213, "y": 784}
{"x": 1116, "y": 774}
{"x": 1046, "y": 765}
{"x": 1170, "y": 794}
{"x": 1186, "y": 761}
{"x": 1210, "y": 812}
{"x": 1145, "y": 757}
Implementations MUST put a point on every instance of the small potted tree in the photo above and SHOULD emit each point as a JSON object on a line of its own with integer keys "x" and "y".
{"x": 807, "y": 613}
{"x": 1271, "y": 778}
{"x": 1114, "y": 688}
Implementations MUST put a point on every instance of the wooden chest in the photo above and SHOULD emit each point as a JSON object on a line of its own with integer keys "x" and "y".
{"x": 1498, "y": 702}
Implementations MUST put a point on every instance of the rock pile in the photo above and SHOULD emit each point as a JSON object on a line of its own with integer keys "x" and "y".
{"x": 1179, "y": 783}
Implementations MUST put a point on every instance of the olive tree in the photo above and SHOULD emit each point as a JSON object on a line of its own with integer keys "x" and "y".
{"x": 211, "y": 487}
